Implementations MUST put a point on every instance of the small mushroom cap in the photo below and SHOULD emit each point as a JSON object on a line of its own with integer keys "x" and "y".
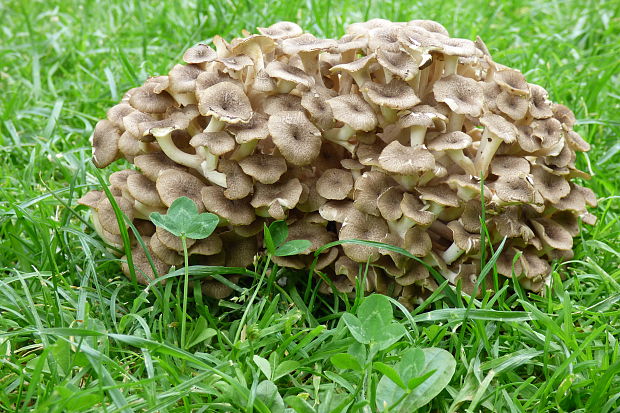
{"x": 305, "y": 43}
{"x": 143, "y": 190}
{"x": 207, "y": 246}
{"x": 277, "y": 197}
{"x": 564, "y": 115}
{"x": 459, "y": 47}
{"x": 440, "y": 194}
{"x": 235, "y": 63}
{"x": 315, "y": 233}
{"x": 358, "y": 65}
{"x": 512, "y": 81}
{"x": 172, "y": 241}
{"x": 472, "y": 213}
{"x": 217, "y": 143}
{"x": 506, "y": 165}
{"x": 429, "y": 25}
{"x": 168, "y": 256}
{"x": 117, "y": 112}
{"x": 297, "y": 139}
{"x": 263, "y": 82}
{"x": 133, "y": 121}
{"x": 334, "y": 184}
{"x": 552, "y": 234}
{"x": 368, "y": 188}
{"x": 354, "y": 111}
{"x": 105, "y": 143}
{"x": 412, "y": 209}
{"x": 359, "y": 225}
{"x": 172, "y": 184}
{"x": 400, "y": 63}
{"x": 207, "y": 79}
{"x": 540, "y": 106}
{"x": 462, "y": 94}
{"x": 226, "y": 101}
{"x": 456, "y": 140}
{"x": 145, "y": 99}
{"x": 200, "y": 53}
{"x": 90, "y": 199}
{"x": 406, "y": 160}
{"x": 315, "y": 102}
{"x": 417, "y": 242}
{"x": 499, "y": 127}
{"x": 513, "y": 189}
{"x": 238, "y": 184}
{"x": 281, "y": 30}
{"x": 396, "y": 95}
{"x": 388, "y": 203}
{"x": 463, "y": 239}
{"x": 281, "y": 70}
{"x": 182, "y": 78}
{"x": 236, "y": 212}
{"x": 152, "y": 164}
{"x": 142, "y": 267}
{"x": 336, "y": 211}
{"x": 282, "y": 103}
{"x": 266, "y": 169}
{"x": 549, "y": 131}
{"x": 550, "y": 186}
{"x": 510, "y": 223}
{"x": 514, "y": 106}
{"x": 255, "y": 129}
{"x": 107, "y": 217}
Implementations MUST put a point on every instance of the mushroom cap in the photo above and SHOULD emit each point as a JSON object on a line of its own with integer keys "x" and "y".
{"x": 552, "y": 234}
{"x": 226, "y": 101}
{"x": 336, "y": 211}
{"x": 549, "y": 131}
{"x": 306, "y": 43}
{"x": 564, "y": 115}
{"x": 417, "y": 242}
{"x": 200, "y": 53}
{"x": 297, "y": 139}
{"x": 132, "y": 122}
{"x": 368, "y": 187}
{"x": 143, "y": 190}
{"x": 406, "y": 160}
{"x": 277, "y": 197}
{"x": 107, "y": 217}
{"x": 167, "y": 255}
{"x": 456, "y": 140}
{"x": 499, "y": 127}
{"x": 357, "y": 65}
{"x": 117, "y": 112}
{"x": 399, "y": 63}
{"x": 238, "y": 184}
{"x": 412, "y": 209}
{"x": 142, "y": 267}
{"x": 388, "y": 203}
{"x": 472, "y": 213}
{"x": 266, "y": 169}
{"x": 172, "y": 184}
{"x": 550, "y": 186}
{"x": 462, "y": 94}
{"x": 315, "y": 233}
{"x": 315, "y": 102}
{"x": 151, "y": 164}
{"x": 440, "y": 194}
{"x": 512, "y": 81}
{"x": 235, "y": 63}
{"x": 289, "y": 73}
{"x": 236, "y": 212}
{"x": 359, "y": 225}
{"x": 514, "y": 106}
{"x": 146, "y": 99}
{"x": 247, "y": 45}
{"x": 463, "y": 239}
{"x": 334, "y": 184}
{"x": 513, "y": 189}
{"x": 354, "y": 111}
{"x": 396, "y": 95}
{"x": 510, "y": 223}
{"x": 217, "y": 143}
{"x": 105, "y": 143}
{"x": 90, "y": 199}
{"x": 282, "y": 103}
{"x": 281, "y": 30}
{"x": 182, "y": 78}
{"x": 506, "y": 165}
{"x": 171, "y": 241}
{"x": 540, "y": 106}
{"x": 211, "y": 245}
{"x": 459, "y": 47}
{"x": 255, "y": 129}
{"x": 429, "y": 25}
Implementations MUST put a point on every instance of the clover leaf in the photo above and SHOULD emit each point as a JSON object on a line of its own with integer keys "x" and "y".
{"x": 183, "y": 219}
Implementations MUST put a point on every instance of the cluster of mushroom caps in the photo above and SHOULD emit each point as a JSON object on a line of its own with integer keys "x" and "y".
{"x": 381, "y": 135}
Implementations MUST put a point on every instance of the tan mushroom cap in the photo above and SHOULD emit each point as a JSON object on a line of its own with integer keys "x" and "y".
{"x": 513, "y": 189}
{"x": 236, "y": 212}
{"x": 209, "y": 78}
{"x": 105, "y": 143}
{"x": 142, "y": 267}
{"x": 396, "y": 95}
{"x": 200, "y": 53}
{"x": 499, "y": 127}
{"x": 306, "y": 42}
{"x": 226, "y": 101}
{"x": 368, "y": 188}
{"x": 315, "y": 233}
{"x": 514, "y": 106}
{"x": 297, "y": 139}
{"x": 289, "y": 73}
{"x": 91, "y": 199}
{"x": 462, "y": 94}
{"x": 315, "y": 103}
{"x": 266, "y": 169}
{"x": 417, "y": 242}
{"x": 568, "y": 220}
{"x": 281, "y": 30}
{"x": 406, "y": 160}
{"x": 512, "y": 81}
{"x": 507, "y": 165}
{"x": 278, "y": 197}
{"x": 255, "y": 129}
{"x": 549, "y": 131}
{"x": 143, "y": 190}
{"x": 169, "y": 240}
{"x": 238, "y": 184}
{"x": 354, "y": 111}
{"x": 107, "y": 217}
{"x": 282, "y": 103}
{"x": 182, "y": 78}
{"x": 172, "y": 184}
{"x": 413, "y": 209}
{"x": 207, "y": 246}
{"x": 399, "y": 63}
{"x": 550, "y": 186}
{"x": 133, "y": 121}
{"x": 552, "y": 234}
{"x": 235, "y": 63}
{"x": 463, "y": 239}
{"x": 336, "y": 211}
{"x": 359, "y": 225}
{"x": 117, "y": 112}
{"x": 456, "y": 140}
{"x": 389, "y": 201}
{"x": 334, "y": 184}
{"x": 152, "y": 164}
{"x": 167, "y": 255}
{"x": 453, "y": 46}
{"x": 145, "y": 99}
{"x": 540, "y": 106}
{"x": 564, "y": 115}
{"x": 472, "y": 213}
{"x": 217, "y": 143}
{"x": 440, "y": 194}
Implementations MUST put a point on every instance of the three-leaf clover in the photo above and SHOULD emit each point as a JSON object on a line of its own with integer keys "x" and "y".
{"x": 183, "y": 220}
{"x": 276, "y": 234}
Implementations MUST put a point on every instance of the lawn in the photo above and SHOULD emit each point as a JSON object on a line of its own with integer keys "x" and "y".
{"x": 76, "y": 335}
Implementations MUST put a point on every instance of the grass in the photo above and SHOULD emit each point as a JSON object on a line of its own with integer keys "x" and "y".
{"x": 75, "y": 335}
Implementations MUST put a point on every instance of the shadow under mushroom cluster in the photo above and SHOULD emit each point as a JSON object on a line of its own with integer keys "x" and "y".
{"x": 380, "y": 135}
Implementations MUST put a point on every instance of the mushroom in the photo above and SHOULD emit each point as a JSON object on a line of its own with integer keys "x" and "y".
{"x": 297, "y": 139}
{"x": 496, "y": 130}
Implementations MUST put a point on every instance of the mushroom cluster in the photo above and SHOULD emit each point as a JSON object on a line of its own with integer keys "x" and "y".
{"x": 395, "y": 133}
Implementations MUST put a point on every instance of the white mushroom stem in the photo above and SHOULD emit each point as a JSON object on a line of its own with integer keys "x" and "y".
{"x": 407, "y": 181}
{"x": 488, "y": 147}
{"x": 184, "y": 99}
{"x": 285, "y": 86}
{"x": 341, "y": 137}
{"x": 215, "y": 125}
{"x": 439, "y": 172}
{"x": 417, "y": 134}
{"x": 164, "y": 138}
{"x": 244, "y": 150}
{"x": 389, "y": 114}
{"x": 450, "y": 65}
{"x": 452, "y": 253}
{"x": 449, "y": 275}
{"x": 213, "y": 176}
{"x": 401, "y": 226}
{"x": 423, "y": 81}
{"x": 461, "y": 160}
{"x": 143, "y": 211}
{"x": 455, "y": 122}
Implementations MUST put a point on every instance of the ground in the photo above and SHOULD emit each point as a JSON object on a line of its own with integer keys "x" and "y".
{"x": 76, "y": 336}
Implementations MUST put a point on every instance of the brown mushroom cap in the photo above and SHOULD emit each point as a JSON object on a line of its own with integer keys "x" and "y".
{"x": 172, "y": 184}
{"x": 266, "y": 169}
{"x": 334, "y": 184}
{"x": 117, "y": 112}
{"x": 417, "y": 242}
{"x": 550, "y": 186}
{"x": 552, "y": 234}
{"x": 368, "y": 187}
{"x": 513, "y": 189}
{"x": 354, "y": 111}
{"x": 512, "y": 81}
{"x": 389, "y": 201}
{"x": 105, "y": 143}
{"x": 142, "y": 267}
{"x": 167, "y": 255}
{"x": 200, "y": 53}
{"x": 281, "y": 30}
{"x": 226, "y": 101}
{"x": 396, "y": 95}
{"x": 277, "y": 197}
{"x": 315, "y": 102}
{"x": 286, "y": 72}
{"x": 507, "y": 165}
{"x": 297, "y": 139}
{"x": 217, "y": 143}
{"x": 153, "y": 164}
{"x": 143, "y": 190}
{"x": 514, "y": 106}
{"x": 400, "y": 63}
{"x": 462, "y": 94}
{"x": 236, "y": 212}
{"x": 440, "y": 194}
{"x": 406, "y": 160}
{"x": 171, "y": 241}
{"x": 456, "y": 140}
{"x": 359, "y": 225}
{"x": 238, "y": 184}
{"x": 107, "y": 217}
{"x": 146, "y": 99}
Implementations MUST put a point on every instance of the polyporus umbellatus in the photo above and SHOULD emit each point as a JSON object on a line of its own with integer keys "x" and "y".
{"x": 381, "y": 135}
